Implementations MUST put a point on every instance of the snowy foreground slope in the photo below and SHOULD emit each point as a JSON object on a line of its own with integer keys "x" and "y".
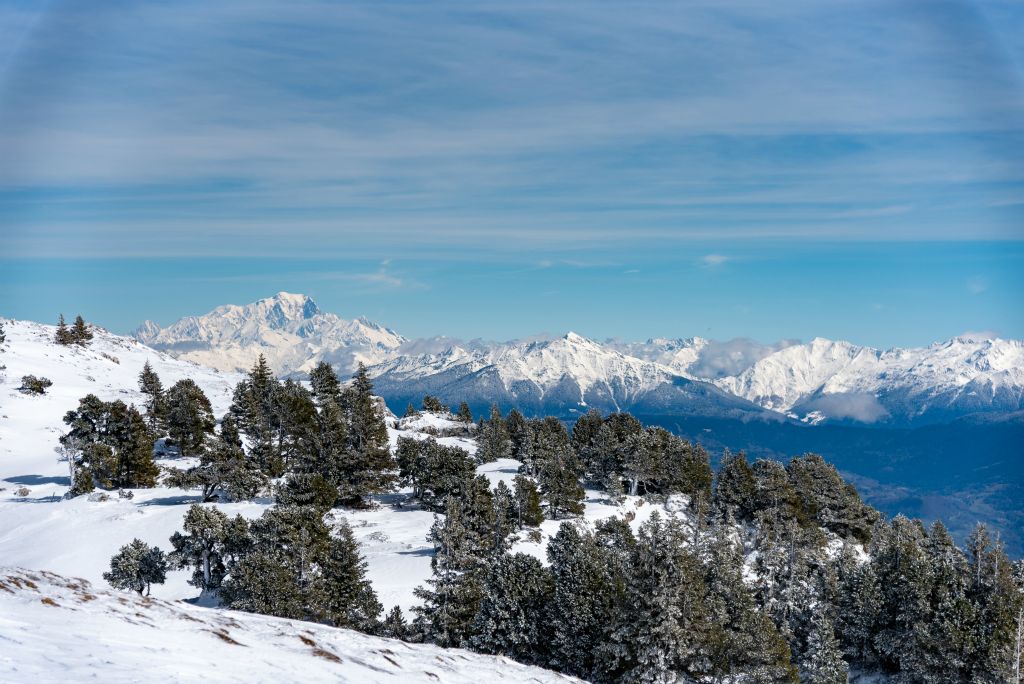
{"x": 41, "y": 530}
{"x": 57, "y": 629}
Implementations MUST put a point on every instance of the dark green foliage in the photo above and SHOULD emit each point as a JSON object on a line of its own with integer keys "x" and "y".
{"x": 255, "y": 410}
{"x": 521, "y": 435}
{"x": 156, "y": 407}
{"x": 734, "y": 486}
{"x": 189, "y": 418}
{"x": 823, "y": 663}
{"x": 433, "y": 405}
{"x": 211, "y": 543}
{"x": 511, "y": 619}
{"x": 410, "y": 412}
{"x": 434, "y": 470}
{"x": 295, "y": 568}
{"x": 30, "y": 384}
{"x": 464, "y": 413}
{"x": 224, "y": 470}
{"x": 3, "y": 334}
{"x": 80, "y": 333}
{"x": 829, "y": 501}
{"x": 452, "y": 596}
{"x": 63, "y": 334}
{"x": 527, "y": 502}
{"x": 108, "y": 445}
{"x": 493, "y": 440}
{"x": 394, "y": 625}
{"x": 559, "y": 481}
{"x": 369, "y": 468}
{"x": 136, "y": 567}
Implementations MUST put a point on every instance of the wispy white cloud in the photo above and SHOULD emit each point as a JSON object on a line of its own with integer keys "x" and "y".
{"x": 713, "y": 260}
{"x": 977, "y": 284}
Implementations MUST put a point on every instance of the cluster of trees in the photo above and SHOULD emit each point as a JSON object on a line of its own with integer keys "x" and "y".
{"x": 770, "y": 572}
{"x": 3, "y": 334}
{"x": 326, "y": 445}
{"x": 78, "y": 333}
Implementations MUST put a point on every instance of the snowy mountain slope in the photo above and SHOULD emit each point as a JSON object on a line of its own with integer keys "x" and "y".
{"x": 289, "y": 329}
{"x": 109, "y": 368}
{"x": 40, "y": 529}
{"x": 826, "y": 379}
{"x": 559, "y": 376}
{"x": 58, "y": 629}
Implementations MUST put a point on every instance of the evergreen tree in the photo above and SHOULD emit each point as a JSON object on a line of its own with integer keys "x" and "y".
{"x": 136, "y": 567}
{"x": 108, "y": 445}
{"x": 296, "y": 569}
{"x": 506, "y": 516}
{"x": 828, "y": 500}
{"x": 559, "y": 483}
{"x": 858, "y": 609}
{"x": 527, "y": 502}
{"x": 190, "y": 418}
{"x": 494, "y": 440}
{"x": 511, "y": 619}
{"x": 464, "y": 414}
{"x": 202, "y": 546}
{"x": 997, "y": 601}
{"x": 394, "y": 625}
{"x": 30, "y": 384}
{"x": 369, "y": 468}
{"x": 584, "y": 443}
{"x": 63, "y": 335}
{"x": 410, "y": 412}
{"x": 348, "y": 600}
{"x": 254, "y": 408}
{"x": 80, "y": 333}
{"x": 3, "y": 334}
{"x": 661, "y": 635}
{"x": 948, "y": 644}
{"x": 450, "y": 600}
{"x": 224, "y": 469}
{"x": 734, "y": 487}
{"x": 823, "y": 662}
{"x": 589, "y": 591}
{"x": 773, "y": 495}
{"x": 521, "y": 435}
{"x": 438, "y": 471}
{"x": 156, "y": 410}
{"x": 433, "y": 405}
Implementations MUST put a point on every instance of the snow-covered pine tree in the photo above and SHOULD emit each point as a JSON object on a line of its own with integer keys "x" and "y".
{"x": 521, "y": 434}
{"x": 464, "y": 414}
{"x": 823, "y": 661}
{"x": 254, "y": 407}
{"x": 136, "y": 567}
{"x": 450, "y": 600}
{"x": 394, "y": 625}
{"x": 156, "y": 412}
{"x": 201, "y": 547}
{"x": 80, "y": 333}
{"x": 527, "y": 501}
{"x": 190, "y": 419}
{"x": 493, "y": 439}
{"x": 63, "y": 334}
{"x": 369, "y": 468}
{"x": 346, "y": 597}
{"x": 512, "y": 620}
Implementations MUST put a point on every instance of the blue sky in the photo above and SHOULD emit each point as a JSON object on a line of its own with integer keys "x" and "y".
{"x": 771, "y": 170}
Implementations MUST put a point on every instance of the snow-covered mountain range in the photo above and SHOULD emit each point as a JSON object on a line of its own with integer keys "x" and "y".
{"x": 288, "y": 329}
{"x": 822, "y": 380}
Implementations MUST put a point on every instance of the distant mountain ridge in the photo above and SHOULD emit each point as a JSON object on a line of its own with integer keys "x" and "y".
{"x": 819, "y": 381}
{"x": 290, "y": 330}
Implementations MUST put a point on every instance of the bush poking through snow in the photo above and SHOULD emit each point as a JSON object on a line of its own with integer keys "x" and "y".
{"x": 30, "y": 384}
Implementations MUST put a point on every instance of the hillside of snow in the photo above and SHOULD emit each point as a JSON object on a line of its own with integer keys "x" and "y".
{"x": 288, "y": 329}
{"x": 59, "y": 629}
{"x": 41, "y": 530}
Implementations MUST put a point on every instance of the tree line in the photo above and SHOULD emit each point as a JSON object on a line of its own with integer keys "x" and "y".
{"x": 762, "y": 571}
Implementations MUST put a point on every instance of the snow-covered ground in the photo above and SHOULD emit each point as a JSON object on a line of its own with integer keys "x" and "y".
{"x": 39, "y": 529}
{"x": 57, "y": 629}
